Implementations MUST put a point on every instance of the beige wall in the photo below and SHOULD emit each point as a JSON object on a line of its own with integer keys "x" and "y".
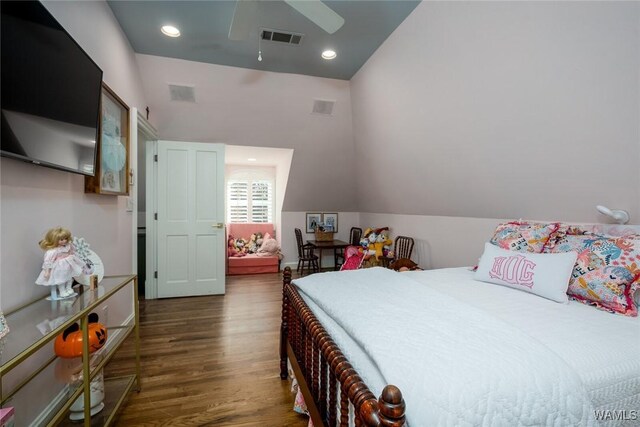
{"x": 502, "y": 109}
{"x": 34, "y": 199}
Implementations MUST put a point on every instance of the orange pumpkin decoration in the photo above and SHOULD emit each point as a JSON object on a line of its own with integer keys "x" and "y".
{"x": 69, "y": 343}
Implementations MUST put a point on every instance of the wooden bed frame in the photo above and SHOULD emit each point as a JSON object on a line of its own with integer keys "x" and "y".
{"x": 319, "y": 366}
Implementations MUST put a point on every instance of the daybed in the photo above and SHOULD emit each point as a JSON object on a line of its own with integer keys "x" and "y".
{"x": 251, "y": 263}
{"x": 463, "y": 352}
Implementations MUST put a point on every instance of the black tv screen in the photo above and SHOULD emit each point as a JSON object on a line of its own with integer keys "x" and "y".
{"x": 50, "y": 91}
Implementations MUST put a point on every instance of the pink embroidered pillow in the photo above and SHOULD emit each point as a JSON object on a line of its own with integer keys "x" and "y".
{"x": 546, "y": 275}
{"x": 607, "y": 270}
{"x": 522, "y": 236}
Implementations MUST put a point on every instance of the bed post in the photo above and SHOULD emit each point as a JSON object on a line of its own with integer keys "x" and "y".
{"x": 284, "y": 326}
{"x": 391, "y": 406}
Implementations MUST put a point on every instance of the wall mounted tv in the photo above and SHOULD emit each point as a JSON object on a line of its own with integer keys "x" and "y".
{"x": 50, "y": 90}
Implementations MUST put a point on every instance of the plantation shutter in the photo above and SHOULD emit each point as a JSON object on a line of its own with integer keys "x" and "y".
{"x": 238, "y": 201}
{"x": 261, "y": 201}
{"x": 250, "y": 197}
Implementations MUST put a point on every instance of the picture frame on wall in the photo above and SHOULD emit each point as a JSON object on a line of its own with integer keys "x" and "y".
{"x": 112, "y": 162}
{"x": 313, "y": 220}
{"x": 330, "y": 221}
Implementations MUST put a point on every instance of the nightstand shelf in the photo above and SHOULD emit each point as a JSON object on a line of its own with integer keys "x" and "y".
{"x": 36, "y": 383}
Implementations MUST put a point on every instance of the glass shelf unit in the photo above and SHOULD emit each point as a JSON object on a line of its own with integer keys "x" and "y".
{"x": 35, "y": 326}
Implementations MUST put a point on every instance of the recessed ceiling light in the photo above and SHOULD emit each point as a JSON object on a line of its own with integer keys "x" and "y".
{"x": 329, "y": 54}
{"x": 252, "y": 159}
{"x": 170, "y": 30}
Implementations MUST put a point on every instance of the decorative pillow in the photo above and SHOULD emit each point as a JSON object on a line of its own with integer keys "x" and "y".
{"x": 607, "y": 271}
{"x": 546, "y": 275}
{"x": 269, "y": 246}
{"x": 522, "y": 236}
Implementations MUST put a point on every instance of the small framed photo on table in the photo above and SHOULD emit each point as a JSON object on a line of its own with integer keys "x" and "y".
{"x": 330, "y": 221}
{"x": 313, "y": 220}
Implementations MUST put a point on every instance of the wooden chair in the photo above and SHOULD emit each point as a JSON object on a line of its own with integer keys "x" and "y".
{"x": 354, "y": 240}
{"x": 306, "y": 255}
{"x": 403, "y": 247}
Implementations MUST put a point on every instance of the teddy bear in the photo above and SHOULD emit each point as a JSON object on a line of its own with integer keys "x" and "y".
{"x": 382, "y": 241}
{"x": 232, "y": 248}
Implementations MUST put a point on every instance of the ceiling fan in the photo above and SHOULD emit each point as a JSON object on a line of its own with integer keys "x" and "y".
{"x": 244, "y": 16}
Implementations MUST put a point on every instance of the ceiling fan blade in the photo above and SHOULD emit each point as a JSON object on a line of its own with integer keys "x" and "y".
{"x": 318, "y": 13}
{"x": 244, "y": 18}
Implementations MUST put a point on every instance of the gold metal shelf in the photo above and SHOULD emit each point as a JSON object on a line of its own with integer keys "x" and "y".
{"x": 36, "y": 325}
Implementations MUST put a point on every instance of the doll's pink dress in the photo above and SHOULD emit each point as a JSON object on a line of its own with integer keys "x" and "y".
{"x": 64, "y": 265}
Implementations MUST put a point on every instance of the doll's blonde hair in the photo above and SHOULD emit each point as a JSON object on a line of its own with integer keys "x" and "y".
{"x": 53, "y": 236}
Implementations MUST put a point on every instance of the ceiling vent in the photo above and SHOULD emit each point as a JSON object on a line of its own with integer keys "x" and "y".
{"x": 182, "y": 93}
{"x": 279, "y": 36}
{"x": 321, "y": 106}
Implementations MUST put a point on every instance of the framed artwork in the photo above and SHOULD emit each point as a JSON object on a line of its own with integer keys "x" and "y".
{"x": 313, "y": 220}
{"x": 330, "y": 221}
{"x": 112, "y": 162}
{"x": 4, "y": 328}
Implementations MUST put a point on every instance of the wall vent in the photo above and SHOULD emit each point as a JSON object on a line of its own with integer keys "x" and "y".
{"x": 321, "y": 106}
{"x": 182, "y": 93}
{"x": 280, "y": 36}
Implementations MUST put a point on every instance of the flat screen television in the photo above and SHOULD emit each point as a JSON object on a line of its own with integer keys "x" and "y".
{"x": 50, "y": 91}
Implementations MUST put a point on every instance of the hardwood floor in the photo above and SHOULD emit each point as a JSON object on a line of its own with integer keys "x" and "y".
{"x": 210, "y": 361}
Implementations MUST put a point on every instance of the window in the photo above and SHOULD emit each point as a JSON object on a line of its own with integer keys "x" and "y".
{"x": 250, "y": 195}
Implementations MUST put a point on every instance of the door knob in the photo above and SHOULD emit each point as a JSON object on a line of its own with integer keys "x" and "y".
{"x": 218, "y": 225}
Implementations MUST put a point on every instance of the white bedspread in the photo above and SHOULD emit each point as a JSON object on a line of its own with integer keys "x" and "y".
{"x": 466, "y": 353}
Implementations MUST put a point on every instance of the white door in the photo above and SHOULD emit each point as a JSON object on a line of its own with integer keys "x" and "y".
{"x": 190, "y": 224}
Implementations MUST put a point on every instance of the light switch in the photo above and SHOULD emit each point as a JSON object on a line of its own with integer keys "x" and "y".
{"x": 129, "y": 204}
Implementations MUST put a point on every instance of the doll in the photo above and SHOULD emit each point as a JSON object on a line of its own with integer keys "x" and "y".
{"x": 61, "y": 264}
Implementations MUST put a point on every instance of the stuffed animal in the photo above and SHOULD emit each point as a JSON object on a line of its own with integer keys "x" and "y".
{"x": 269, "y": 246}
{"x": 241, "y": 246}
{"x": 404, "y": 264}
{"x": 252, "y": 246}
{"x": 232, "y": 248}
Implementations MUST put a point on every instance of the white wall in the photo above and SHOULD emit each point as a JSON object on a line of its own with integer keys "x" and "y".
{"x": 256, "y": 108}
{"x": 502, "y": 109}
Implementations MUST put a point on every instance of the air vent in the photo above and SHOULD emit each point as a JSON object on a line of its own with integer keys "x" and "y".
{"x": 321, "y": 106}
{"x": 182, "y": 93}
{"x": 281, "y": 36}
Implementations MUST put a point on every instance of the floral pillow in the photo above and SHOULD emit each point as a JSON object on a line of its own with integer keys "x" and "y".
{"x": 607, "y": 271}
{"x": 522, "y": 236}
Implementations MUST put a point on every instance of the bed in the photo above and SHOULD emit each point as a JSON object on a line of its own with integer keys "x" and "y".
{"x": 457, "y": 351}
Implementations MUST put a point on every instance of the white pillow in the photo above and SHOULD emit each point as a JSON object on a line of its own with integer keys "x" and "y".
{"x": 546, "y": 275}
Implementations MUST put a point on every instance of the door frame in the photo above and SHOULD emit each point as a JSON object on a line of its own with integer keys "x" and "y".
{"x": 150, "y": 285}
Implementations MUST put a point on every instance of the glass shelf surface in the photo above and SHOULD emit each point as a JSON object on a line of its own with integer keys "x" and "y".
{"x": 34, "y": 325}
